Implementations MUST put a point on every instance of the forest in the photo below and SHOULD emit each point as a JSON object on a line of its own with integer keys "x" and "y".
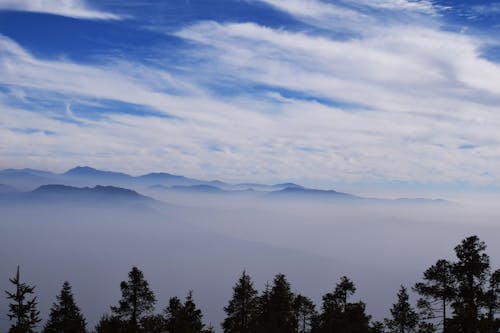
{"x": 459, "y": 296}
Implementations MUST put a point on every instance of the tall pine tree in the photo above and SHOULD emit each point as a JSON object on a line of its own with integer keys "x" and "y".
{"x": 22, "y": 310}
{"x": 305, "y": 311}
{"x": 437, "y": 290}
{"x": 242, "y": 308}
{"x": 404, "y": 318}
{"x": 184, "y": 318}
{"x": 65, "y": 315}
{"x": 340, "y": 315}
{"x": 137, "y": 300}
{"x": 277, "y": 309}
{"x": 471, "y": 272}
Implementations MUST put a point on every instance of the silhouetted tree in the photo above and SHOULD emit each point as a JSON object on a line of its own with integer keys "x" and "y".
{"x": 471, "y": 272}
{"x": 276, "y": 311}
{"x": 339, "y": 315}
{"x": 305, "y": 312}
{"x": 437, "y": 290}
{"x": 492, "y": 320}
{"x": 22, "y": 310}
{"x": 184, "y": 318}
{"x": 65, "y": 315}
{"x": 153, "y": 324}
{"x": 377, "y": 327}
{"x": 110, "y": 324}
{"x": 137, "y": 300}
{"x": 263, "y": 304}
{"x": 404, "y": 318}
{"x": 242, "y": 308}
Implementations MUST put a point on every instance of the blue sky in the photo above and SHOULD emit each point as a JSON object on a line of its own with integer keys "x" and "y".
{"x": 315, "y": 91}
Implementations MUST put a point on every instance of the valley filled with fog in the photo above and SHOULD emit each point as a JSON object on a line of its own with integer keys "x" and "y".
{"x": 202, "y": 241}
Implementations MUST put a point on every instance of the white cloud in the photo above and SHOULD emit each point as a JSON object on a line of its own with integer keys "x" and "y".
{"x": 403, "y": 99}
{"x": 69, "y": 8}
{"x": 422, "y": 6}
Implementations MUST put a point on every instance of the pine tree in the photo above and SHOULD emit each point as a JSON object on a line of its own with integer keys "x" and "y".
{"x": 110, "y": 324}
{"x": 339, "y": 315}
{"x": 492, "y": 319}
{"x": 305, "y": 311}
{"x": 263, "y": 304}
{"x": 438, "y": 290}
{"x": 404, "y": 318}
{"x": 471, "y": 272}
{"x": 137, "y": 300}
{"x": 23, "y": 310}
{"x": 173, "y": 315}
{"x": 344, "y": 289}
{"x": 279, "y": 316}
{"x": 153, "y": 324}
{"x": 242, "y": 308}
{"x": 183, "y": 318}
{"x": 65, "y": 315}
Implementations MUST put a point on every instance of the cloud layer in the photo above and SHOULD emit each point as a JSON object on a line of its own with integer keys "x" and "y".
{"x": 69, "y": 8}
{"x": 393, "y": 102}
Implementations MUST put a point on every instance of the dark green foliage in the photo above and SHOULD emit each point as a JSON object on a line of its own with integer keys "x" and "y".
{"x": 65, "y": 315}
{"x": 377, "y": 327}
{"x": 183, "y": 318}
{"x": 492, "y": 320}
{"x": 22, "y": 310}
{"x": 242, "y": 308}
{"x": 437, "y": 290}
{"x": 471, "y": 275}
{"x": 305, "y": 311}
{"x": 153, "y": 324}
{"x": 110, "y": 324}
{"x": 404, "y": 318}
{"x": 137, "y": 300}
{"x": 339, "y": 315}
{"x": 276, "y": 310}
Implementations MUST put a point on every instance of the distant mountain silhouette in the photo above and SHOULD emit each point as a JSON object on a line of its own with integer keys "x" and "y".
{"x": 198, "y": 189}
{"x": 108, "y": 183}
{"x": 98, "y": 193}
{"x": 302, "y": 192}
{"x": 26, "y": 179}
{"x": 88, "y": 172}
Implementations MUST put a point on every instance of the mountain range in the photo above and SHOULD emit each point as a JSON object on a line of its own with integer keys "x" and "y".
{"x": 86, "y": 182}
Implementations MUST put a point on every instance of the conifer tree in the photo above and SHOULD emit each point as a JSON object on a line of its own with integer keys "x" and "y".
{"x": 344, "y": 289}
{"x": 22, "y": 310}
{"x": 65, "y": 315}
{"x": 262, "y": 316}
{"x": 183, "y": 318}
{"x": 137, "y": 300}
{"x": 153, "y": 324}
{"x": 279, "y": 315}
{"x": 492, "y": 319}
{"x": 471, "y": 272}
{"x": 242, "y": 308}
{"x": 404, "y": 318}
{"x": 437, "y": 290}
{"x": 339, "y": 315}
{"x": 305, "y": 311}
{"x": 110, "y": 324}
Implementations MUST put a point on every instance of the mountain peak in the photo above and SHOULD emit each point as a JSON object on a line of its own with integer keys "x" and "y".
{"x": 86, "y": 171}
{"x": 96, "y": 192}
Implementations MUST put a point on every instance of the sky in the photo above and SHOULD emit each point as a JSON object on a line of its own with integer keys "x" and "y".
{"x": 393, "y": 93}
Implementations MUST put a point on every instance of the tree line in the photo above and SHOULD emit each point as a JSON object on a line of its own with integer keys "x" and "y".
{"x": 460, "y": 297}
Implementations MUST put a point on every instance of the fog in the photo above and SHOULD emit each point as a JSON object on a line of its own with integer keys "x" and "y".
{"x": 203, "y": 242}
